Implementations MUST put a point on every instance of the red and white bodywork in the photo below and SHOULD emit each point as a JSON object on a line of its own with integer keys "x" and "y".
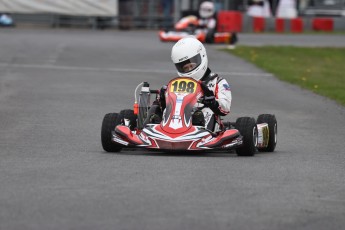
{"x": 176, "y": 131}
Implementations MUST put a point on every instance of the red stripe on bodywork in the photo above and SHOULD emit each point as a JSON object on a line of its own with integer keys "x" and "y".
{"x": 224, "y": 138}
{"x": 127, "y": 134}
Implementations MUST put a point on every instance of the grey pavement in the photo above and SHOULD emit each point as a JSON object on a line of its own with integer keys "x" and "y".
{"x": 55, "y": 88}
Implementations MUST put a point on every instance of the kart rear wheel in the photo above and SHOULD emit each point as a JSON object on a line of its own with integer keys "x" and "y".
{"x": 108, "y": 126}
{"x": 249, "y": 131}
{"x": 128, "y": 118}
{"x": 271, "y": 120}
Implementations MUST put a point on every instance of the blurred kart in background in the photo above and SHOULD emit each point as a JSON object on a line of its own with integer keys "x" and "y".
{"x": 189, "y": 25}
{"x": 177, "y": 129}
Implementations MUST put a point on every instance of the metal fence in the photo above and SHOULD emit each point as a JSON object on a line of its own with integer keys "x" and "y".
{"x": 132, "y": 14}
{"x": 159, "y": 13}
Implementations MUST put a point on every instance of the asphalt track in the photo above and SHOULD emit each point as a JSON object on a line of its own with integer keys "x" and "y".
{"x": 56, "y": 86}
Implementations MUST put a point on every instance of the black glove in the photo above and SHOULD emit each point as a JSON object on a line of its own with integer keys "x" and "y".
{"x": 162, "y": 97}
{"x": 213, "y": 104}
{"x": 210, "y": 102}
{"x": 206, "y": 90}
{"x": 209, "y": 99}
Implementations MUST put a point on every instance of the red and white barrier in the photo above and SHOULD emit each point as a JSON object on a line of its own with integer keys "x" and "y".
{"x": 229, "y": 21}
{"x": 323, "y": 24}
{"x": 258, "y": 24}
{"x": 296, "y": 25}
{"x": 234, "y": 21}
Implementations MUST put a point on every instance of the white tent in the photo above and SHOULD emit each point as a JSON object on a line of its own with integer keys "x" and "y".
{"x": 286, "y": 9}
{"x": 260, "y": 11}
{"x": 67, "y": 7}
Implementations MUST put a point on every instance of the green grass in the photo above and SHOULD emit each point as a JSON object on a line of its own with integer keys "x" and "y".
{"x": 321, "y": 70}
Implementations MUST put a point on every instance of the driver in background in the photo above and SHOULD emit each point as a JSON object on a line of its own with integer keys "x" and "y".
{"x": 207, "y": 19}
{"x": 207, "y": 22}
{"x": 217, "y": 93}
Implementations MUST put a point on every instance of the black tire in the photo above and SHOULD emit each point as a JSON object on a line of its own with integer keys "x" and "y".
{"x": 271, "y": 120}
{"x": 249, "y": 131}
{"x": 210, "y": 37}
{"x": 233, "y": 38}
{"x": 108, "y": 126}
{"x": 129, "y": 115}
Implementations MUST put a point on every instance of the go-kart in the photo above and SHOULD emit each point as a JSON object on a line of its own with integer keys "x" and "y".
{"x": 189, "y": 25}
{"x": 176, "y": 131}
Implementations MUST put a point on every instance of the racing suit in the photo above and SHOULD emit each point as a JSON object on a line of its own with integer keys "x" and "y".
{"x": 208, "y": 25}
{"x": 217, "y": 100}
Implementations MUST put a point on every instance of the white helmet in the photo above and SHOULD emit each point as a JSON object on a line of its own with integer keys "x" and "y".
{"x": 206, "y": 9}
{"x": 190, "y": 58}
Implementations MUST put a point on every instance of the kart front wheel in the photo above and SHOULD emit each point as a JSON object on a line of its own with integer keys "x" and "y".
{"x": 271, "y": 120}
{"x": 108, "y": 126}
{"x": 128, "y": 118}
{"x": 249, "y": 131}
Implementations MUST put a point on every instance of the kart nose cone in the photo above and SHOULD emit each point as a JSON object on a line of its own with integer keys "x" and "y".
{"x": 183, "y": 145}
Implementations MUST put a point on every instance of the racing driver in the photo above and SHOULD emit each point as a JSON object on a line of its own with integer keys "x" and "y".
{"x": 217, "y": 93}
{"x": 206, "y": 19}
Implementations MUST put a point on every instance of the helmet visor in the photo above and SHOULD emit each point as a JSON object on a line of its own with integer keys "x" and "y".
{"x": 188, "y": 65}
{"x": 207, "y": 10}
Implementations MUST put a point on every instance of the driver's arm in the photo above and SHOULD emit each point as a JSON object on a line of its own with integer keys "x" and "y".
{"x": 162, "y": 102}
{"x": 219, "y": 98}
{"x": 223, "y": 97}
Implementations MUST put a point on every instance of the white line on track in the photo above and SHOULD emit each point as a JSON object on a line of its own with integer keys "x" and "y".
{"x": 96, "y": 69}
